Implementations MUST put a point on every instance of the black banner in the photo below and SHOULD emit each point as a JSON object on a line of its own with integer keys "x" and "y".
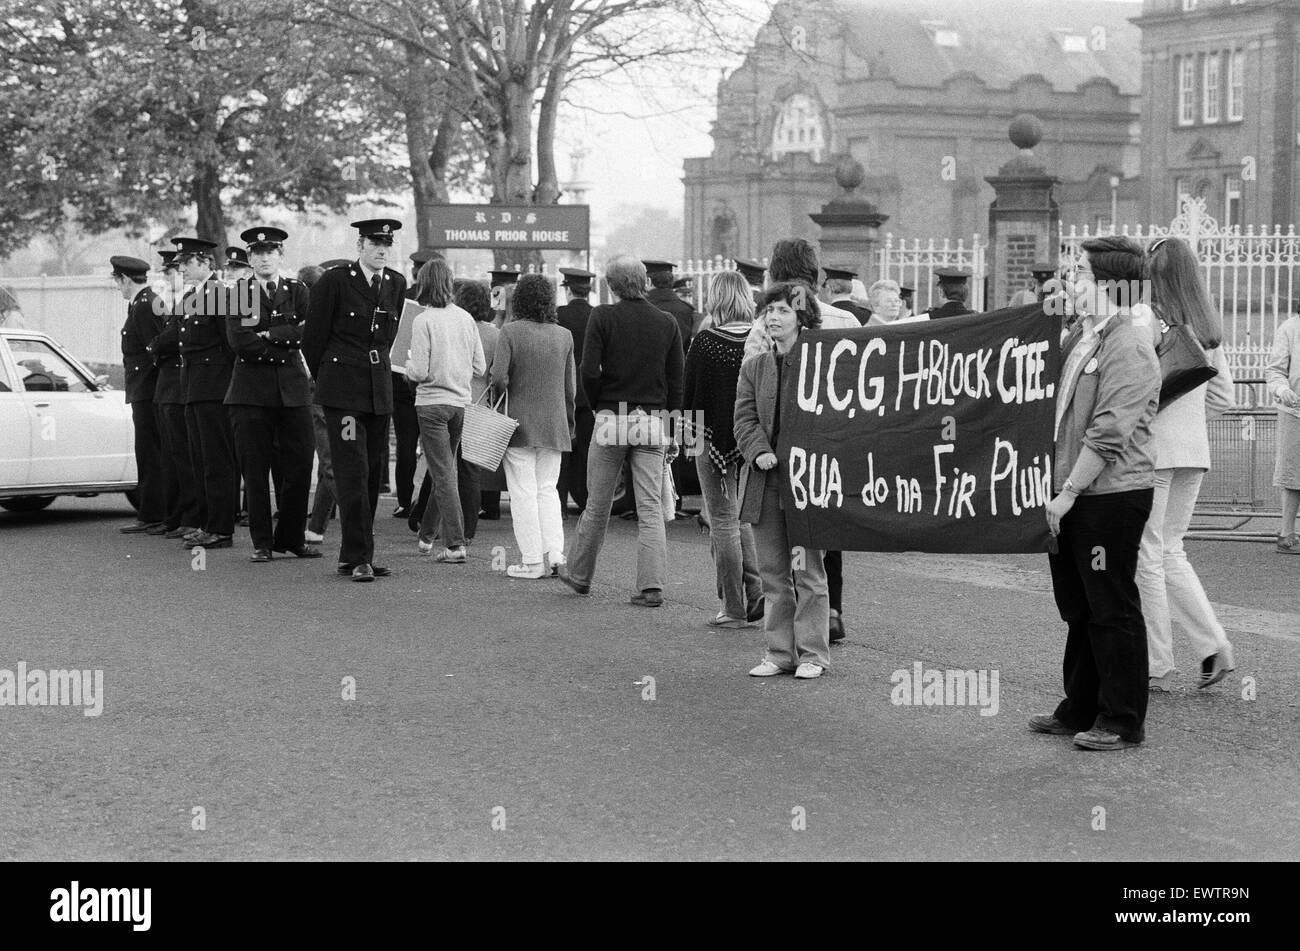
{"x": 929, "y": 436}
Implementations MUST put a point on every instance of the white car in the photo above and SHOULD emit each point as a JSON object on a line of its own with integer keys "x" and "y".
{"x": 63, "y": 431}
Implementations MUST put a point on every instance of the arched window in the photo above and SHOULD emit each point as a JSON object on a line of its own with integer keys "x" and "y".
{"x": 799, "y": 128}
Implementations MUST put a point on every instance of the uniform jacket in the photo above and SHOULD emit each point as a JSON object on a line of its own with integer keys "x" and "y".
{"x": 144, "y": 322}
{"x": 952, "y": 308}
{"x": 346, "y": 340}
{"x": 573, "y": 318}
{"x": 666, "y": 299}
{"x": 857, "y": 310}
{"x": 756, "y": 394}
{"x": 165, "y": 348}
{"x": 206, "y": 357}
{"x": 269, "y": 372}
{"x": 1110, "y": 403}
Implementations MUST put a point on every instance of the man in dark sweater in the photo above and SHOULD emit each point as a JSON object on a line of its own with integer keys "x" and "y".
{"x": 632, "y": 374}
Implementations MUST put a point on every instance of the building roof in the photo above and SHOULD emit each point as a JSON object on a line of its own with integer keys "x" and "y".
{"x": 1067, "y": 42}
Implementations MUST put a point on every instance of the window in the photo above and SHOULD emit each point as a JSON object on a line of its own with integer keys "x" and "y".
{"x": 1189, "y": 5}
{"x": 1181, "y": 191}
{"x": 1236, "y": 86}
{"x": 43, "y": 371}
{"x": 1186, "y": 90}
{"x": 798, "y": 128}
{"x": 6, "y": 385}
{"x": 1210, "y": 88}
{"x": 941, "y": 33}
{"x": 1232, "y": 208}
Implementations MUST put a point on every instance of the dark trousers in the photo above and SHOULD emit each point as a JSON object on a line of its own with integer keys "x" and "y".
{"x": 490, "y": 502}
{"x": 1094, "y": 580}
{"x": 180, "y": 485}
{"x": 266, "y": 434}
{"x": 357, "y": 444}
{"x": 573, "y": 464}
{"x": 212, "y": 448}
{"x": 322, "y": 508}
{"x": 406, "y": 427}
{"x": 467, "y": 484}
{"x": 833, "y": 562}
{"x": 150, "y": 484}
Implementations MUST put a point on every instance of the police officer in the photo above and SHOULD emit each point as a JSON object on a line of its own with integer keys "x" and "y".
{"x": 351, "y": 322}
{"x": 1041, "y": 272}
{"x": 662, "y": 295}
{"x": 954, "y": 288}
{"x": 837, "y": 285}
{"x": 144, "y": 321}
{"x": 269, "y": 397}
{"x": 237, "y": 266}
{"x": 573, "y": 317}
{"x": 180, "y": 487}
{"x": 752, "y": 272}
{"x": 906, "y": 295}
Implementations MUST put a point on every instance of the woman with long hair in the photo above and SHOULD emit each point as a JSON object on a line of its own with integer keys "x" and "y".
{"x": 709, "y": 404}
{"x": 1171, "y": 591}
{"x": 534, "y": 367}
{"x": 796, "y": 623}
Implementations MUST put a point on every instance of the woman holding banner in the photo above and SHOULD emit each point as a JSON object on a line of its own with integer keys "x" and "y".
{"x": 1106, "y": 398}
{"x": 796, "y": 623}
{"x": 1180, "y": 441}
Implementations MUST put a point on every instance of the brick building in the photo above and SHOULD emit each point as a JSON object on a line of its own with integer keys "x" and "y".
{"x": 1219, "y": 79}
{"x": 921, "y": 92}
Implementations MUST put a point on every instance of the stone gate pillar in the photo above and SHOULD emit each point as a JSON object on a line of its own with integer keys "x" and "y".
{"x": 850, "y": 225}
{"x": 1024, "y": 220}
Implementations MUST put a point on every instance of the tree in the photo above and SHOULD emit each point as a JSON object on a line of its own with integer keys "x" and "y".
{"x": 133, "y": 113}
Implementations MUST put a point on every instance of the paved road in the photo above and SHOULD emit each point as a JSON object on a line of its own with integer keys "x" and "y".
{"x": 480, "y": 698}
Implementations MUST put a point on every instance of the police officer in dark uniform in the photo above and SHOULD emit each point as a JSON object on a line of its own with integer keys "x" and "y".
{"x": 144, "y": 321}
{"x": 573, "y": 317}
{"x": 351, "y": 322}
{"x": 269, "y": 397}
{"x": 838, "y": 285}
{"x": 954, "y": 286}
{"x": 662, "y": 295}
{"x": 206, "y": 364}
{"x": 237, "y": 266}
{"x": 180, "y": 487}
{"x": 906, "y": 295}
{"x": 753, "y": 273}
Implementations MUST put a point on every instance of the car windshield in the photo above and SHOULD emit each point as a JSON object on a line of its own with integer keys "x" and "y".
{"x": 42, "y": 370}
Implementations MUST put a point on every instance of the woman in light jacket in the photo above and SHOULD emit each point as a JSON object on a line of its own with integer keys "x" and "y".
{"x": 1171, "y": 591}
{"x": 1282, "y": 377}
{"x": 796, "y": 627}
{"x": 534, "y": 366}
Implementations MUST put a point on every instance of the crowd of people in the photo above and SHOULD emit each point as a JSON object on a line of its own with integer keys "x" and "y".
{"x": 314, "y": 371}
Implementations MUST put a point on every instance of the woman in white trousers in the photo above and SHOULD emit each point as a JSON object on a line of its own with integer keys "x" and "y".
{"x": 1171, "y": 592}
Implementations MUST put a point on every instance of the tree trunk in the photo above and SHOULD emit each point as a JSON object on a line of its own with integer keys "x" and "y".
{"x": 548, "y": 182}
{"x": 209, "y": 212}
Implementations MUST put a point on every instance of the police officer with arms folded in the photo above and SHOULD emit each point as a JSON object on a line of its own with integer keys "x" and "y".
{"x": 144, "y": 321}
{"x": 351, "y": 322}
{"x": 269, "y": 397}
{"x": 206, "y": 364}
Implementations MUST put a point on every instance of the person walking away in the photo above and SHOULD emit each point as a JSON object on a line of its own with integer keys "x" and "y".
{"x": 1282, "y": 377}
{"x": 534, "y": 367}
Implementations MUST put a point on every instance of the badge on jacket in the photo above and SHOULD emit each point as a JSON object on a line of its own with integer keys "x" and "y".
{"x": 1090, "y": 366}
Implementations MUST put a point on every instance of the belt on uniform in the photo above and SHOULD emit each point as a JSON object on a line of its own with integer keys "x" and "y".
{"x": 369, "y": 358}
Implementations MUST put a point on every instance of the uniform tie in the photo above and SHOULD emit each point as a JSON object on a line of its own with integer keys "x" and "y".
{"x": 374, "y": 285}
{"x": 270, "y": 289}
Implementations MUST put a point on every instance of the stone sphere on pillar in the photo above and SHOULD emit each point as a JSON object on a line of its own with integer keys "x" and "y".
{"x": 849, "y": 173}
{"x": 1025, "y": 131}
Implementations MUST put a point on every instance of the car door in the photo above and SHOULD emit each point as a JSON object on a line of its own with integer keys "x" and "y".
{"x": 76, "y": 429}
{"x": 15, "y": 426}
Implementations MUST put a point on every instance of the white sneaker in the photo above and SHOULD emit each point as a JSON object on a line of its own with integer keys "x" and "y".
{"x": 530, "y": 572}
{"x": 807, "y": 671}
{"x": 313, "y": 537}
{"x": 767, "y": 669}
{"x": 425, "y": 547}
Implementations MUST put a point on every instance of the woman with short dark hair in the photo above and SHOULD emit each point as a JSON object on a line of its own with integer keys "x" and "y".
{"x": 445, "y": 354}
{"x": 797, "y": 619}
{"x": 1106, "y": 398}
{"x": 534, "y": 367}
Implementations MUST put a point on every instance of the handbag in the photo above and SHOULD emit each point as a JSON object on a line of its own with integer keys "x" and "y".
{"x": 1183, "y": 364}
{"x": 486, "y": 432}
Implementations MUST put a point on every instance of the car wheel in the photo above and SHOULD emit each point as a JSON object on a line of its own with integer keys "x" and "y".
{"x": 27, "y": 503}
{"x": 133, "y": 496}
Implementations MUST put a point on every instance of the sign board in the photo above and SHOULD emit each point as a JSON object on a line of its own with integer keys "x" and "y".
{"x": 505, "y": 227}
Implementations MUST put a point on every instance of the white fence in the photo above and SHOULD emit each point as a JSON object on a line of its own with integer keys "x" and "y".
{"x": 85, "y": 313}
{"x": 912, "y": 264}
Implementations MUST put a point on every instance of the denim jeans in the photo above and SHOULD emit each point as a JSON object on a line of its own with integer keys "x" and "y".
{"x": 1093, "y": 579}
{"x": 730, "y": 543}
{"x": 531, "y": 475}
{"x": 1170, "y": 589}
{"x": 797, "y": 622}
{"x": 638, "y": 438}
{"x": 440, "y": 428}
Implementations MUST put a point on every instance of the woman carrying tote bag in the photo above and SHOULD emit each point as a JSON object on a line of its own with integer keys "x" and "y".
{"x": 1171, "y": 591}
{"x": 534, "y": 367}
